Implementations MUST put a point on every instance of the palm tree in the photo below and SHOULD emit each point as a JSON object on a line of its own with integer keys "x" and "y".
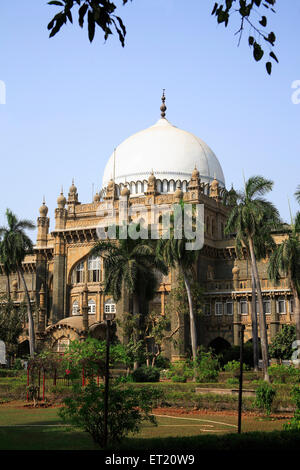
{"x": 173, "y": 251}
{"x": 252, "y": 219}
{"x": 6, "y": 264}
{"x": 15, "y": 244}
{"x": 130, "y": 265}
{"x": 297, "y": 194}
{"x": 286, "y": 259}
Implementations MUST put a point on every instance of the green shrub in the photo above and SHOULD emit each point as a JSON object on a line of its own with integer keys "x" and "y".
{"x": 265, "y": 394}
{"x": 180, "y": 371}
{"x": 281, "y": 374}
{"x": 18, "y": 364}
{"x": 128, "y": 408}
{"x": 294, "y": 424}
{"x": 162, "y": 362}
{"x": 207, "y": 367}
{"x": 146, "y": 374}
{"x": 232, "y": 381}
{"x": 233, "y": 354}
{"x": 9, "y": 373}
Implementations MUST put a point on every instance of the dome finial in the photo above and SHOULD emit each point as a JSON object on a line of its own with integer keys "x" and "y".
{"x": 163, "y": 107}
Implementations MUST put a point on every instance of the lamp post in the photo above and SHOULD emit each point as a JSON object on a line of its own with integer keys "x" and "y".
{"x": 109, "y": 317}
{"x": 241, "y": 378}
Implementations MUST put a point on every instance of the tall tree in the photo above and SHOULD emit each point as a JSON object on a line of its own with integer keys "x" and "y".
{"x": 251, "y": 220}
{"x": 16, "y": 244}
{"x": 130, "y": 265}
{"x": 251, "y": 14}
{"x": 286, "y": 260}
{"x": 6, "y": 264}
{"x": 174, "y": 252}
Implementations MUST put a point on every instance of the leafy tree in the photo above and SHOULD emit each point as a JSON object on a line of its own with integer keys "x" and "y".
{"x": 286, "y": 259}
{"x": 297, "y": 194}
{"x": 129, "y": 265}
{"x": 156, "y": 332}
{"x": 11, "y": 323}
{"x": 128, "y": 408}
{"x": 90, "y": 355}
{"x": 101, "y": 14}
{"x": 254, "y": 14}
{"x": 265, "y": 395}
{"x": 251, "y": 219}
{"x": 281, "y": 346}
{"x": 174, "y": 252}
{"x": 16, "y": 245}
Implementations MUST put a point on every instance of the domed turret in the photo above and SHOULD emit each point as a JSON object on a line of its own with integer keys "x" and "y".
{"x": 61, "y": 200}
{"x": 178, "y": 193}
{"x": 172, "y": 152}
{"x": 125, "y": 192}
{"x": 73, "y": 189}
{"x": 97, "y": 197}
{"x": 43, "y": 210}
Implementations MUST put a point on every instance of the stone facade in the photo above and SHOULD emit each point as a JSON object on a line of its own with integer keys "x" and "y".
{"x": 66, "y": 284}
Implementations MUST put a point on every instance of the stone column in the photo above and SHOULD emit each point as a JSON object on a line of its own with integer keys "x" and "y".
{"x": 85, "y": 309}
{"x": 236, "y": 314}
{"x": 59, "y": 280}
{"x": 274, "y": 324}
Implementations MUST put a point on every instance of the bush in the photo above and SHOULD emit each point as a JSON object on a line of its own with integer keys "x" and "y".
{"x": 18, "y": 364}
{"x": 180, "y": 371}
{"x": 162, "y": 362}
{"x": 234, "y": 367}
{"x": 207, "y": 367}
{"x": 233, "y": 354}
{"x": 127, "y": 409}
{"x": 280, "y": 374}
{"x": 265, "y": 394}
{"x": 9, "y": 373}
{"x": 294, "y": 424}
{"x": 281, "y": 346}
{"x": 232, "y": 381}
{"x": 146, "y": 374}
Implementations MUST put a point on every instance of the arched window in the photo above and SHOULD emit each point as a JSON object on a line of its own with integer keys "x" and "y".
{"x": 92, "y": 307}
{"x": 109, "y": 306}
{"x": 94, "y": 267}
{"x": 172, "y": 186}
{"x": 78, "y": 273}
{"x": 165, "y": 186}
{"x": 61, "y": 344}
{"x": 75, "y": 308}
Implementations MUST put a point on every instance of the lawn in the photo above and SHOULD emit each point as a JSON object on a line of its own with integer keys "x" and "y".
{"x": 41, "y": 429}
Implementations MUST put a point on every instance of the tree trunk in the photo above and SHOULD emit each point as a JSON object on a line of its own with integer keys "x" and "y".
{"x": 296, "y": 310}
{"x": 192, "y": 316}
{"x": 135, "y": 334}
{"x": 30, "y": 315}
{"x": 254, "y": 325}
{"x": 8, "y": 286}
{"x": 262, "y": 318}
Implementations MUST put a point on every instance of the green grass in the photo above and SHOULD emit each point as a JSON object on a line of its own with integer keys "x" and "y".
{"x": 42, "y": 429}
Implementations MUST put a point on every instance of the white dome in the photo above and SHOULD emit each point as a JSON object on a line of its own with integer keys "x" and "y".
{"x": 170, "y": 152}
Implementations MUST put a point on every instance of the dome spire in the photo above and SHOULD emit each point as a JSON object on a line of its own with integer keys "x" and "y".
{"x": 163, "y": 107}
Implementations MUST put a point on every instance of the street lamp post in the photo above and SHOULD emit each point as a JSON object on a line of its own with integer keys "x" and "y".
{"x": 241, "y": 379}
{"x": 109, "y": 317}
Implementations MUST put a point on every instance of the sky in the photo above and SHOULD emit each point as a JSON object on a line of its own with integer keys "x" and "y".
{"x": 69, "y": 103}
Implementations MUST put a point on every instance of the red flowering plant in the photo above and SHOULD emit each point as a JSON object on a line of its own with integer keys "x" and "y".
{"x": 88, "y": 358}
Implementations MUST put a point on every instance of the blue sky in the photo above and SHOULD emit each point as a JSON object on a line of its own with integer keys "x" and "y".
{"x": 69, "y": 102}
